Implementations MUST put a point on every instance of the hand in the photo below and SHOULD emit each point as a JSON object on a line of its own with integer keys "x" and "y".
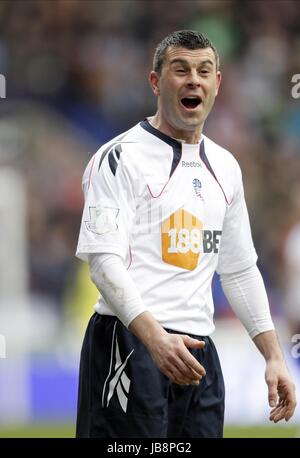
{"x": 281, "y": 391}
{"x": 170, "y": 353}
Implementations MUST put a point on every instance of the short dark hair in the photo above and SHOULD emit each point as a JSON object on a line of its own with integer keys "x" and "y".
{"x": 188, "y": 39}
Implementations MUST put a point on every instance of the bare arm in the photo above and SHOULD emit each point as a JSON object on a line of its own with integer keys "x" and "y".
{"x": 169, "y": 351}
{"x": 281, "y": 389}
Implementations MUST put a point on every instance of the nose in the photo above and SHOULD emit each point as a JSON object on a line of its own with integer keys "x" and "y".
{"x": 193, "y": 79}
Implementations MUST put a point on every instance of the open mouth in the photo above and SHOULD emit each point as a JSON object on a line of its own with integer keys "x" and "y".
{"x": 191, "y": 102}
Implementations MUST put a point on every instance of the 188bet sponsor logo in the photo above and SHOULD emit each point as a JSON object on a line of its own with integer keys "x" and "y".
{"x": 184, "y": 240}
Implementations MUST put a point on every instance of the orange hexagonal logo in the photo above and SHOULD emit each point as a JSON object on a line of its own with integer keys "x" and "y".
{"x": 182, "y": 239}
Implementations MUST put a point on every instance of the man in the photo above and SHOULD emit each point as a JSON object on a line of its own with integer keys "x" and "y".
{"x": 164, "y": 209}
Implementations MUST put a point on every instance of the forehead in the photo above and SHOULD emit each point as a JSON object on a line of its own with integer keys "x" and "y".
{"x": 194, "y": 56}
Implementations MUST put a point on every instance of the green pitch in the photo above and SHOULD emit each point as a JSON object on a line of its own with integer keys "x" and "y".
{"x": 56, "y": 430}
{"x": 258, "y": 431}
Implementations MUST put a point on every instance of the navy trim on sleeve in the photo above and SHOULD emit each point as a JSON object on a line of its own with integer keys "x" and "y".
{"x": 113, "y": 164}
{"x": 110, "y": 147}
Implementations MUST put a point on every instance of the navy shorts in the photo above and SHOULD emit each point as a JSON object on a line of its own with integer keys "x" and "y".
{"x": 123, "y": 394}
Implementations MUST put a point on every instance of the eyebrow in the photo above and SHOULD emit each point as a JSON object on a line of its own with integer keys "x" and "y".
{"x": 184, "y": 62}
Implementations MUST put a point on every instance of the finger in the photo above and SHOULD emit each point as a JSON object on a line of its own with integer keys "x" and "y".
{"x": 287, "y": 395}
{"x": 191, "y": 362}
{"x": 192, "y": 343}
{"x": 273, "y": 411}
{"x": 290, "y": 409}
{"x": 272, "y": 392}
{"x": 277, "y": 409}
{"x": 281, "y": 403}
{"x": 277, "y": 418}
{"x": 179, "y": 377}
{"x": 194, "y": 365}
{"x": 173, "y": 376}
{"x": 188, "y": 358}
{"x": 188, "y": 374}
{"x": 184, "y": 382}
{"x": 185, "y": 373}
{"x": 279, "y": 414}
{"x": 289, "y": 414}
{"x": 273, "y": 414}
{"x": 196, "y": 373}
{"x": 279, "y": 406}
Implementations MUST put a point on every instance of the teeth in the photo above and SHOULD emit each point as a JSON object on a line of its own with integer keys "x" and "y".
{"x": 192, "y": 97}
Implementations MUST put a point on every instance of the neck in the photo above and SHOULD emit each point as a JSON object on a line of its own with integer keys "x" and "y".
{"x": 188, "y": 136}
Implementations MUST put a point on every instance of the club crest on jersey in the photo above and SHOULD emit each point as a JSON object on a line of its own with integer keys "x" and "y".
{"x": 197, "y": 187}
{"x": 102, "y": 219}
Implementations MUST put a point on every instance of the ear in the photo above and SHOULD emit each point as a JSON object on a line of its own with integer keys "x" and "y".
{"x": 154, "y": 82}
{"x": 219, "y": 79}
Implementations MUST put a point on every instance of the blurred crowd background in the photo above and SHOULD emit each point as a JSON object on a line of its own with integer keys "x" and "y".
{"x": 76, "y": 75}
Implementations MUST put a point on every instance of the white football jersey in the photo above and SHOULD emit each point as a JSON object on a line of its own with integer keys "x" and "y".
{"x": 175, "y": 213}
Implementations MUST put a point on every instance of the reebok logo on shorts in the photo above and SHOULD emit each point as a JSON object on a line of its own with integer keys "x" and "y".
{"x": 117, "y": 380}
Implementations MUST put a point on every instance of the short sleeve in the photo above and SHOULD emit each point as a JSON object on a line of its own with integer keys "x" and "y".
{"x": 237, "y": 251}
{"x": 109, "y": 208}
